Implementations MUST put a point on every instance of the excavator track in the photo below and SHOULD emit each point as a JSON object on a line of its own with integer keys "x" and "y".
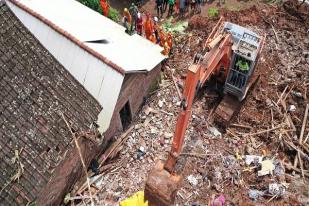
{"x": 230, "y": 106}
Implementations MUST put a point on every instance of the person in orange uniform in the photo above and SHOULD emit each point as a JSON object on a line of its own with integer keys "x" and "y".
{"x": 127, "y": 19}
{"x": 148, "y": 26}
{"x": 162, "y": 38}
{"x": 170, "y": 40}
{"x": 105, "y": 7}
{"x": 166, "y": 49}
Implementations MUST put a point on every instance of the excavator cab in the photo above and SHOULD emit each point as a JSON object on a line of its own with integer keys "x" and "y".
{"x": 245, "y": 50}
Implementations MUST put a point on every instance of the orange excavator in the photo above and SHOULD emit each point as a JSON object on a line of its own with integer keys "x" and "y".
{"x": 230, "y": 55}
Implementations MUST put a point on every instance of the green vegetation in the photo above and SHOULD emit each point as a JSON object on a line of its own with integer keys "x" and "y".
{"x": 113, "y": 14}
{"x": 178, "y": 27}
{"x": 212, "y": 12}
{"x": 92, "y": 4}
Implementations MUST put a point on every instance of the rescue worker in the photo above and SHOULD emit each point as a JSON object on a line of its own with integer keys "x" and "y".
{"x": 104, "y": 7}
{"x": 242, "y": 65}
{"x": 133, "y": 11}
{"x": 162, "y": 38}
{"x": 148, "y": 26}
{"x": 159, "y": 5}
{"x": 153, "y": 39}
{"x": 170, "y": 7}
{"x": 166, "y": 49}
{"x": 156, "y": 29}
{"x": 127, "y": 19}
{"x": 170, "y": 41}
{"x": 165, "y": 2}
{"x": 139, "y": 24}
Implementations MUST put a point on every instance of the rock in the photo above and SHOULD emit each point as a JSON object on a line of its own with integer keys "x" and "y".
{"x": 160, "y": 103}
{"x": 255, "y": 194}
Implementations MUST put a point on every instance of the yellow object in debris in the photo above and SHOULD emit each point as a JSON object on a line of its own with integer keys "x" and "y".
{"x": 135, "y": 200}
{"x": 238, "y": 157}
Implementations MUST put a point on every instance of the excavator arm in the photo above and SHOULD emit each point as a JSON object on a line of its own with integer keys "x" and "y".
{"x": 217, "y": 58}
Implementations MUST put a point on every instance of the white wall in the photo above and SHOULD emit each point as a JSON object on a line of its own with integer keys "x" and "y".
{"x": 99, "y": 79}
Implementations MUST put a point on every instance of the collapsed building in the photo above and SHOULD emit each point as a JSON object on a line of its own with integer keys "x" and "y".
{"x": 53, "y": 62}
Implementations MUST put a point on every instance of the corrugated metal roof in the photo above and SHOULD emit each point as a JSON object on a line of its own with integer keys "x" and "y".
{"x": 130, "y": 53}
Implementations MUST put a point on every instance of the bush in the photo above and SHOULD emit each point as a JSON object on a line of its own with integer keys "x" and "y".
{"x": 92, "y": 4}
{"x": 113, "y": 14}
{"x": 212, "y": 12}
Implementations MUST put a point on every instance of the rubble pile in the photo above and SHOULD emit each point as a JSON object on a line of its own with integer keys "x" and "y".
{"x": 262, "y": 158}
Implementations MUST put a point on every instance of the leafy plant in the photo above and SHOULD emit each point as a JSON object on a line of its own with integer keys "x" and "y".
{"x": 113, "y": 14}
{"x": 212, "y": 12}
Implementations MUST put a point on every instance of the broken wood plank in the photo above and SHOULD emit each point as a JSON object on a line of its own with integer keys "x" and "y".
{"x": 80, "y": 156}
{"x": 114, "y": 146}
{"x": 241, "y": 126}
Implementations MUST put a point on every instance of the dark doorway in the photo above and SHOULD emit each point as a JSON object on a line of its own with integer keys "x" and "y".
{"x": 125, "y": 116}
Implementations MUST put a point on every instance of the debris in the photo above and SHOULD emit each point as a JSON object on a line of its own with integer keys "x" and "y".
{"x": 214, "y": 131}
{"x": 219, "y": 201}
{"x": 291, "y": 108}
{"x": 192, "y": 180}
{"x": 160, "y": 103}
{"x": 267, "y": 168}
{"x": 276, "y": 189}
{"x": 249, "y": 159}
{"x": 255, "y": 194}
{"x": 141, "y": 152}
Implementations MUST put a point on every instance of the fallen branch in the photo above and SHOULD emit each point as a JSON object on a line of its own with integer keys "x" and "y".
{"x": 176, "y": 86}
{"x": 197, "y": 155}
{"x": 81, "y": 157}
{"x": 291, "y": 167}
{"x": 263, "y": 131}
{"x": 303, "y": 125}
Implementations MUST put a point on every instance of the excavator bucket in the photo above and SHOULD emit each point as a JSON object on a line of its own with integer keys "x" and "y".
{"x": 161, "y": 186}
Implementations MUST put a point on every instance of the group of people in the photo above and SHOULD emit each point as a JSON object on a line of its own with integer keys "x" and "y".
{"x": 179, "y": 6}
{"x": 133, "y": 21}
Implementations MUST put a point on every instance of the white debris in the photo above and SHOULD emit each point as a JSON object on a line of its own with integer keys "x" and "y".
{"x": 249, "y": 159}
{"x": 267, "y": 168}
{"x": 192, "y": 180}
{"x": 291, "y": 108}
{"x": 160, "y": 103}
{"x": 214, "y": 131}
{"x": 276, "y": 189}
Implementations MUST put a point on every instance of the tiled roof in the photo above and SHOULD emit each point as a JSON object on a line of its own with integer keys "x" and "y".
{"x": 34, "y": 89}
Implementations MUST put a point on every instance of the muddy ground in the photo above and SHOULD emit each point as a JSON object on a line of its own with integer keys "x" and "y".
{"x": 215, "y": 164}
